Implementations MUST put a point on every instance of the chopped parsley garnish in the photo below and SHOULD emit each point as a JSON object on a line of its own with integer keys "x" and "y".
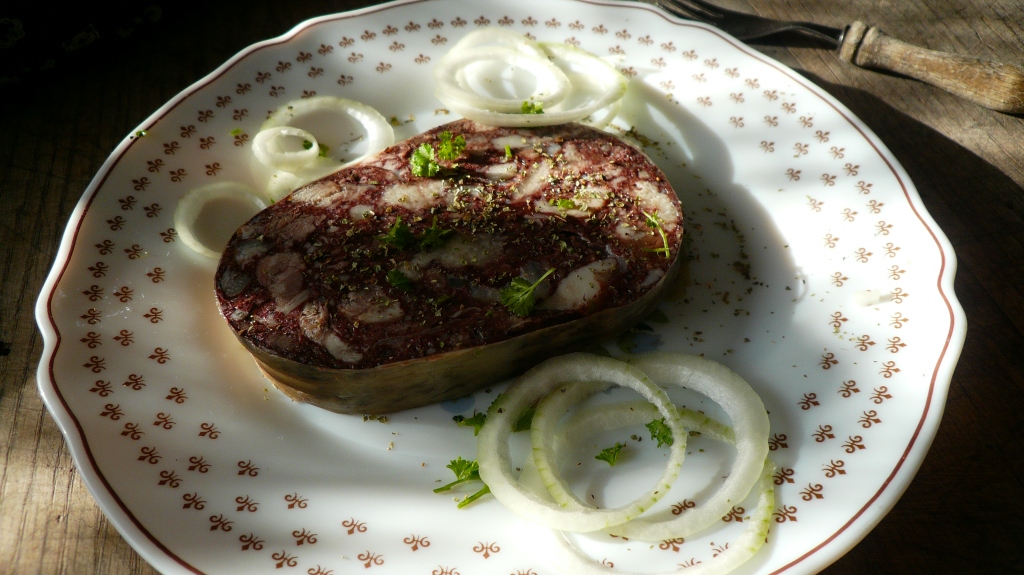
{"x": 518, "y": 295}
{"x": 525, "y": 420}
{"x": 660, "y": 432}
{"x": 424, "y": 160}
{"x": 399, "y": 236}
{"x": 451, "y": 147}
{"x": 476, "y": 421}
{"x": 610, "y": 454}
{"x": 423, "y": 163}
{"x": 533, "y": 107}
{"x": 434, "y": 236}
{"x": 464, "y": 471}
{"x": 324, "y": 150}
{"x": 653, "y": 221}
{"x": 508, "y": 152}
{"x": 563, "y": 203}
{"x": 399, "y": 280}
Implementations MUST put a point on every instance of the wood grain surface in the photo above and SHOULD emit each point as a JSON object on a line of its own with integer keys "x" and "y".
{"x": 963, "y": 513}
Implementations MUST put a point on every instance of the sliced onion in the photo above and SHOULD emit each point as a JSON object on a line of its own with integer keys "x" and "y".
{"x": 244, "y": 203}
{"x": 567, "y": 558}
{"x": 607, "y": 417}
{"x": 453, "y": 84}
{"x": 271, "y": 152}
{"x": 607, "y": 84}
{"x": 493, "y": 450}
{"x": 547, "y": 415}
{"x": 709, "y": 378}
{"x": 750, "y": 424}
{"x": 492, "y": 36}
{"x": 379, "y": 133}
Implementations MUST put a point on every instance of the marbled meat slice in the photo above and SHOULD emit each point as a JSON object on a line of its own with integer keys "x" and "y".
{"x": 373, "y": 290}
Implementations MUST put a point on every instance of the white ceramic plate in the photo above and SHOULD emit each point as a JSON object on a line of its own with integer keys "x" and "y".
{"x": 793, "y": 208}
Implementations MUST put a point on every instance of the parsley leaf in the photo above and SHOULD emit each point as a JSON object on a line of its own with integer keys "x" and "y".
{"x": 450, "y": 147}
{"x": 423, "y": 163}
{"x": 464, "y": 471}
{"x": 563, "y": 203}
{"x": 518, "y": 295}
{"x": 399, "y": 236}
{"x": 653, "y": 221}
{"x": 399, "y": 280}
{"x": 660, "y": 432}
{"x": 525, "y": 420}
{"x": 476, "y": 422}
{"x": 610, "y": 454}
{"x": 434, "y": 236}
{"x": 533, "y": 107}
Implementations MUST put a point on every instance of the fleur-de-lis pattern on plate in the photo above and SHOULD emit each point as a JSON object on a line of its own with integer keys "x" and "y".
{"x": 801, "y": 211}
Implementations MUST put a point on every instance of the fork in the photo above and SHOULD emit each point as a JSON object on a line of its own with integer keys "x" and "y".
{"x": 748, "y": 27}
{"x": 992, "y": 84}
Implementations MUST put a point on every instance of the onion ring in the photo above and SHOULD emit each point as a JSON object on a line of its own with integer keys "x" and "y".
{"x": 493, "y": 450}
{"x": 607, "y": 417}
{"x": 379, "y": 133}
{"x": 270, "y": 153}
{"x": 452, "y": 84}
{"x": 191, "y": 205}
{"x": 610, "y": 83}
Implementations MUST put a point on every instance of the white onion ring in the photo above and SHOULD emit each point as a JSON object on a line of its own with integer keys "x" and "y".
{"x": 452, "y": 84}
{"x": 610, "y": 82}
{"x": 493, "y": 450}
{"x": 379, "y": 133}
{"x": 593, "y": 419}
{"x": 270, "y": 153}
{"x": 499, "y": 37}
{"x": 750, "y": 424}
{"x": 709, "y": 378}
{"x": 567, "y": 558}
{"x": 191, "y": 205}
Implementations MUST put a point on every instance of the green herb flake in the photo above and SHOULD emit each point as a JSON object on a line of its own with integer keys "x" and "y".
{"x": 563, "y": 204}
{"x": 434, "y": 236}
{"x": 236, "y": 131}
{"x": 399, "y": 280}
{"x": 518, "y": 295}
{"x": 306, "y": 145}
{"x": 464, "y": 471}
{"x": 653, "y": 221}
{"x": 423, "y": 162}
{"x": 610, "y": 454}
{"x": 399, "y": 236}
{"x": 450, "y": 147}
{"x": 476, "y": 421}
{"x": 532, "y": 107}
{"x": 525, "y": 420}
{"x": 508, "y": 152}
{"x": 660, "y": 432}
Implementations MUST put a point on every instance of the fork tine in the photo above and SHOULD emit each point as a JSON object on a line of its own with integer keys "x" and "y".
{"x": 704, "y": 11}
{"x": 746, "y": 26}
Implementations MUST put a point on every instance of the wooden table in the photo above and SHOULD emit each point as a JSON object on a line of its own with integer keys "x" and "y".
{"x": 963, "y": 513}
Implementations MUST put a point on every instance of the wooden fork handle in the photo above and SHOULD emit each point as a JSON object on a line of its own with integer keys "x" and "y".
{"x": 992, "y": 84}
